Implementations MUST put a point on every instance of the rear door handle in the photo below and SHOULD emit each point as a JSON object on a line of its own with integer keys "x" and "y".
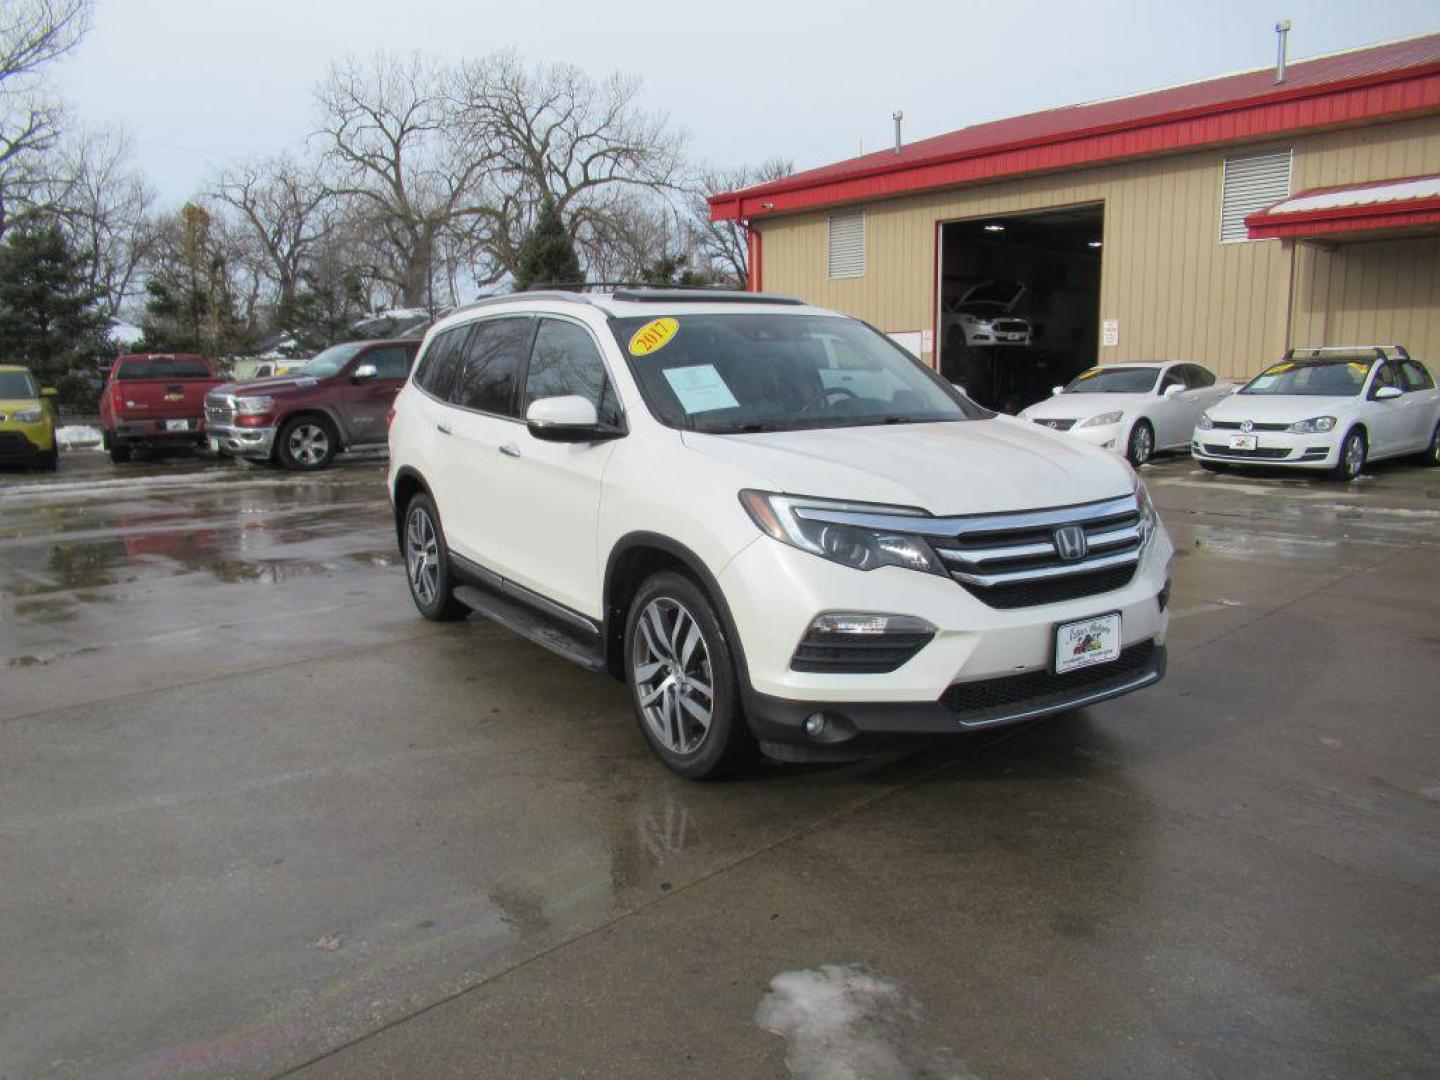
{"x": 443, "y": 429}
{"x": 510, "y": 450}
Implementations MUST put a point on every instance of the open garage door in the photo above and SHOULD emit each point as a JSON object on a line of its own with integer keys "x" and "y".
{"x": 1019, "y": 304}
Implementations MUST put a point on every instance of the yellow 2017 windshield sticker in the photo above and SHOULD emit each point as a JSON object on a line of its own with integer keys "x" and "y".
{"x": 653, "y": 336}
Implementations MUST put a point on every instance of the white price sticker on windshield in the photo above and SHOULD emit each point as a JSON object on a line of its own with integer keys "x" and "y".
{"x": 700, "y": 388}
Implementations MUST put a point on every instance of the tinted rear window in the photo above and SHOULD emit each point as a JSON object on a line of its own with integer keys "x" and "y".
{"x": 162, "y": 367}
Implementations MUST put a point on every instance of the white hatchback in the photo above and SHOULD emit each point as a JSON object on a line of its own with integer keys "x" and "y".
{"x": 1132, "y": 409}
{"x": 779, "y": 528}
{"x": 1328, "y": 408}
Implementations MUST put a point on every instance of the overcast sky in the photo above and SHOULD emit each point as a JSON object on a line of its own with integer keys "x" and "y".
{"x": 201, "y": 82}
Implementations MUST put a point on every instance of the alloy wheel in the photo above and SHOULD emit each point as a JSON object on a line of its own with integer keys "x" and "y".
{"x": 1143, "y": 443}
{"x": 309, "y": 444}
{"x": 1354, "y": 456}
{"x": 422, "y": 556}
{"x": 673, "y": 679}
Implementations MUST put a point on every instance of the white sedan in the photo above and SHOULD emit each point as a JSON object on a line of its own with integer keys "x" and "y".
{"x": 1332, "y": 408}
{"x": 1133, "y": 409}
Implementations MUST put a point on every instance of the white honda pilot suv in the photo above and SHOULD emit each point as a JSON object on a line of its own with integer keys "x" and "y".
{"x": 781, "y": 530}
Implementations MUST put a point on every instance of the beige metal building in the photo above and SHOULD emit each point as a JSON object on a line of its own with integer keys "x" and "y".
{"x": 1220, "y": 222}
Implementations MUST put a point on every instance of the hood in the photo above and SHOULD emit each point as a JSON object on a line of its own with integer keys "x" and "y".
{"x": 9, "y": 405}
{"x": 278, "y": 384}
{"x": 967, "y": 467}
{"x": 1278, "y": 408}
{"x": 1083, "y": 406}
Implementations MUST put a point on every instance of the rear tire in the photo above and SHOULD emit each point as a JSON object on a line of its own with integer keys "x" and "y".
{"x": 682, "y": 680}
{"x": 119, "y": 451}
{"x": 427, "y": 563}
{"x": 1352, "y": 456}
{"x": 307, "y": 443}
{"x": 1140, "y": 447}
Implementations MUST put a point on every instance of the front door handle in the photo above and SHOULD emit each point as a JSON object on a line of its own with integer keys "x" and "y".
{"x": 443, "y": 429}
{"x": 510, "y": 450}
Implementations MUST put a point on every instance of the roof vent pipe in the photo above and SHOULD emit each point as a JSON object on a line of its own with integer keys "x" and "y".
{"x": 897, "y": 116}
{"x": 1282, "y": 31}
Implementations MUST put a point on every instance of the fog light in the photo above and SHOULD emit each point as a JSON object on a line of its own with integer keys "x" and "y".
{"x": 815, "y": 725}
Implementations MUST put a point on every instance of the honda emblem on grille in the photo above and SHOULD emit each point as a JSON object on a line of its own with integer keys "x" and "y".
{"x": 1070, "y": 542}
{"x": 1247, "y": 425}
{"x": 1052, "y": 425}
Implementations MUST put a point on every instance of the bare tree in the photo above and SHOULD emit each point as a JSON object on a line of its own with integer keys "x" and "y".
{"x": 286, "y": 208}
{"x": 33, "y": 33}
{"x": 554, "y": 132}
{"x": 107, "y": 212}
{"x": 724, "y": 245}
{"x": 390, "y": 134}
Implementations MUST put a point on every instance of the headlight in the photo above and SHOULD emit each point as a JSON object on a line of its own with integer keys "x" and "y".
{"x": 1205, "y": 423}
{"x": 782, "y": 518}
{"x": 1313, "y": 426}
{"x": 1149, "y": 519}
{"x": 1103, "y": 419}
{"x": 27, "y": 416}
{"x": 254, "y": 406}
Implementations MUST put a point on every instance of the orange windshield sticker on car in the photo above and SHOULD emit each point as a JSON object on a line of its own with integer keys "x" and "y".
{"x": 653, "y": 336}
{"x": 1089, "y": 374}
{"x": 1362, "y": 367}
{"x": 1279, "y": 369}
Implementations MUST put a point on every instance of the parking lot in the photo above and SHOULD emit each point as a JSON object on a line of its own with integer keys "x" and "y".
{"x": 257, "y": 818}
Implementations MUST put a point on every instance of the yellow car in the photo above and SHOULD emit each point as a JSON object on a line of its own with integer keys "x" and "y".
{"x": 27, "y": 420}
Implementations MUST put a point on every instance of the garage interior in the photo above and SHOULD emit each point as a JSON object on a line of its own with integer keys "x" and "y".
{"x": 1056, "y": 256}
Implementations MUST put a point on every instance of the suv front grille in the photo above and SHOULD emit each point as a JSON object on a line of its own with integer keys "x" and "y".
{"x": 219, "y": 410}
{"x": 1014, "y": 560}
{"x": 1036, "y": 689}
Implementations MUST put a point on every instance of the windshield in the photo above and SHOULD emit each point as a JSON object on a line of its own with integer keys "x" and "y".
{"x": 1338, "y": 377}
{"x": 330, "y": 361}
{"x": 17, "y": 384}
{"x": 730, "y": 374}
{"x": 1115, "y": 380}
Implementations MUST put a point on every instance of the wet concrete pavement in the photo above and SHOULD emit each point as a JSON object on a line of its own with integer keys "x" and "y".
{"x": 256, "y": 817}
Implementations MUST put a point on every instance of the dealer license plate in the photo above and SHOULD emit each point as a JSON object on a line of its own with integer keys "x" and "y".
{"x": 1087, "y": 643}
{"x": 1243, "y": 442}
{"x": 177, "y": 425}
{"x": 214, "y": 445}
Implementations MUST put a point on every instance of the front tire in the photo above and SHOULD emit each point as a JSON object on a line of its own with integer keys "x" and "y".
{"x": 1140, "y": 447}
{"x": 427, "y": 563}
{"x": 307, "y": 443}
{"x": 1352, "y": 456}
{"x": 1431, "y": 456}
{"x": 682, "y": 680}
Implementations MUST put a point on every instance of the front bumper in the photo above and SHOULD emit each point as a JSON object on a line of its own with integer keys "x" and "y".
{"x": 246, "y": 442}
{"x": 1273, "y": 448}
{"x": 774, "y": 593}
{"x": 23, "y": 444}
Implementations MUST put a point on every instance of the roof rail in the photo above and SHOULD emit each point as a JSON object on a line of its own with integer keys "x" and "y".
{"x": 610, "y": 286}
{"x": 701, "y": 296}
{"x": 1382, "y": 352}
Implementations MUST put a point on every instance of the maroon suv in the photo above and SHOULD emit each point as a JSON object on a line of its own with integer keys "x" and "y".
{"x": 338, "y": 401}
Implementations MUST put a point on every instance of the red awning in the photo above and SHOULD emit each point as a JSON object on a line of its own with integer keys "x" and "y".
{"x": 1353, "y": 211}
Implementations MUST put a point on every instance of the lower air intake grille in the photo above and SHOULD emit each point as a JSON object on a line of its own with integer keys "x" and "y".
{"x": 840, "y": 654}
{"x": 1263, "y": 452}
{"x": 1036, "y": 689}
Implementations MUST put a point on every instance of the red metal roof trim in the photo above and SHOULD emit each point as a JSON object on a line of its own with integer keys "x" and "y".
{"x": 1370, "y": 217}
{"x": 1378, "y": 84}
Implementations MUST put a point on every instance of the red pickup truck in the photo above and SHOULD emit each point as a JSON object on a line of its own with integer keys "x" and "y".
{"x": 155, "y": 400}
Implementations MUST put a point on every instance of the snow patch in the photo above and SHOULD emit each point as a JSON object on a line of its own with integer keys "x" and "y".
{"x": 78, "y": 437}
{"x": 844, "y": 1022}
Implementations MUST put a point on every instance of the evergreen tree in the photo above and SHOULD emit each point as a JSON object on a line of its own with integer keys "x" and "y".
{"x": 49, "y": 318}
{"x": 547, "y": 253}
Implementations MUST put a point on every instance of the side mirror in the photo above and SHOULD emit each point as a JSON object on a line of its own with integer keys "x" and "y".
{"x": 1387, "y": 393}
{"x": 960, "y": 388}
{"x": 1171, "y": 390}
{"x": 1056, "y": 391}
{"x": 571, "y": 418}
{"x": 363, "y": 372}
{"x": 48, "y": 391}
